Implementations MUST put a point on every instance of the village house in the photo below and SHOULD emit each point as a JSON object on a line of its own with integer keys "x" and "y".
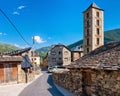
{"x": 27, "y": 73}
{"x": 34, "y": 57}
{"x": 10, "y": 67}
{"x": 59, "y": 55}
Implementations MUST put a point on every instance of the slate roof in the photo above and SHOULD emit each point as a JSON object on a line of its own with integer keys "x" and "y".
{"x": 60, "y": 45}
{"x": 18, "y": 51}
{"x": 106, "y": 57}
{"x": 93, "y": 5}
{"x": 26, "y": 62}
{"x": 11, "y": 59}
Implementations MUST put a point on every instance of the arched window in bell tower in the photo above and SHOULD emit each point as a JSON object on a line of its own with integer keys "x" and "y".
{"x": 98, "y": 41}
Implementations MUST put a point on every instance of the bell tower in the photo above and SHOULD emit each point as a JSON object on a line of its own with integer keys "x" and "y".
{"x": 93, "y": 28}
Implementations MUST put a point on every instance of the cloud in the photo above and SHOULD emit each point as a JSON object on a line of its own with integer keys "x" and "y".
{"x": 16, "y": 13}
{"x": 16, "y": 45}
{"x": 2, "y": 34}
{"x": 38, "y": 39}
{"x": 21, "y": 7}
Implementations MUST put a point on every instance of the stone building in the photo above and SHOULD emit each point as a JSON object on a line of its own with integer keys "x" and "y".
{"x": 93, "y": 28}
{"x": 27, "y": 72}
{"x": 94, "y": 74}
{"x": 59, "y": 55}
{"x": 10, "y": 66}
{"x": 76, "y": 55}
{"x": 34, "y": 57}
{"x": 45, "y": 61}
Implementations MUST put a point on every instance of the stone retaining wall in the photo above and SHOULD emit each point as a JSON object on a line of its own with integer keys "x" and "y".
{"x": 97, "y": 82}
{"x": 70, "y": 80}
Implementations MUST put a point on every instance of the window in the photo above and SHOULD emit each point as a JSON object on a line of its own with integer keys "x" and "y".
{"x": 54, "y": 59}
{"x": 98, "y": 31}
{"x": 87, "y": 41}
{"x": 97, "y": 14}
{"x": 66, "y": 52}
{"x": 60, "y": 58}
{"x": 53, "y": 52}
{"x": 87, "y": 15}
{"x": 88, "y": 32}
{"x": 87, "y": 50}
{"x": 60, "y": 52}
{"x": 98, "y": 41}
{"x": 66, "y": 59}
{"x": 97, "y": 22}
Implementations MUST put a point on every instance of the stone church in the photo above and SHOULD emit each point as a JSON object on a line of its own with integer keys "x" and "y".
{"x": 97, "y": 73}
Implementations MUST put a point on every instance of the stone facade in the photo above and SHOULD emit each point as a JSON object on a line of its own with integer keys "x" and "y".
{"x": 59, "y": 55}
{"x": 70, "y": 80}
{"x": 93, "y": 28}
{"x": 25, "y": 77}
{"x": 89, "y": 82}
{"x": 76, "y": 55}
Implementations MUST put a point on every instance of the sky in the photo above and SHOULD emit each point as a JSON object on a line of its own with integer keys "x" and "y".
{"x": 51, "y": 21}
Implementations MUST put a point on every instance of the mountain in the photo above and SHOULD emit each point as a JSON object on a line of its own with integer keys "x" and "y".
{"x": 42, "y": 51}
{"x": 110, "y": 35}
{"x": 7, "y": 47}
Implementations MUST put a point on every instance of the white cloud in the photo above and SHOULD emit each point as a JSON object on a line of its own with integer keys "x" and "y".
{"x": 16, "y": 13}
{"x": 2, "y": 33}
{"x": 38, "y": 39}
{"x": 16, "y": 45}
{"x": 21, "y": 7}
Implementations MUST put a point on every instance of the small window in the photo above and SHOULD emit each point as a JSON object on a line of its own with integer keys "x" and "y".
{"x": 53, "y": 59}
{"x": 97, "y": 14}
{"x": 98, "y": 41}
{"x": 87, "y": 41}
{"x": 88, "y": 32}
{"x": 87, "y": 15}
{"x": 66, "y": 52}
{"x": 98, "y": 31}
{"x": 98, "y": 23}
{"x": 60, "y": 52}
{"x": 53, "y": 52}
{"x": 60, "y": 58}
{"x": 66, "y": 59}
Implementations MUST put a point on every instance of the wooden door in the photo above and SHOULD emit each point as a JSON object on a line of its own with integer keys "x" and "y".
{"x": 7, "y": 73}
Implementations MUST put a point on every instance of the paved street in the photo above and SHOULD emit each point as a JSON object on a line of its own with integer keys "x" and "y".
{"x": 42, "y": 86}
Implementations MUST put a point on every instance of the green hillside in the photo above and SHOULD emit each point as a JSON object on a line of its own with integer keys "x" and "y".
{"x": 111, "y": 35}
{"x": 7, "y": 47}
{"x": 42, "y": 51}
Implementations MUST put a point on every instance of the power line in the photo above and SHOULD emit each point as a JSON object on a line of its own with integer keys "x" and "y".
{"x": 14, "y": 27}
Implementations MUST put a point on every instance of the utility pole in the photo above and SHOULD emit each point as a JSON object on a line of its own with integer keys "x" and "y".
{"x": 33, "y": 55}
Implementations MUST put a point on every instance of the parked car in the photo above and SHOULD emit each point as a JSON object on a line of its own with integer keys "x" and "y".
{"x": 50, "y": 69}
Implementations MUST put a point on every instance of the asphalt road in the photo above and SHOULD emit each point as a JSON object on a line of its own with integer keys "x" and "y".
{"x": 42, "y": 86}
